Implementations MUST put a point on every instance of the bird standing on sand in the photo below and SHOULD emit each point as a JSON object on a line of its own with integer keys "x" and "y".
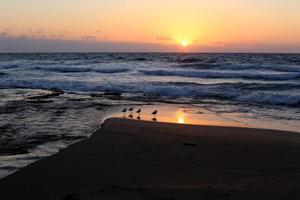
{"x": 139, "y": 111}
{"x": 130, "y": 109}
{"x": 154, "y": 113}
{"x": 124, "y": 111}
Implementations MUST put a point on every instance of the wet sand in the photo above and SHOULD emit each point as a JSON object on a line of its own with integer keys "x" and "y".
{"x": 130, "y": 159}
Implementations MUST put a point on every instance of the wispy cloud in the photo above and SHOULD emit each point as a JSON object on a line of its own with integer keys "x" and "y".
{"x": 161, "y": 38}
{"x": 3, "y": 34}
{"x": 58, "y": 43}
{"x": 89, "y": 37}
{"x": 24, "y": 43}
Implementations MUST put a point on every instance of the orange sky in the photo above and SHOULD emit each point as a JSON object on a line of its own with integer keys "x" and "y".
{"x": 201, "y": 23}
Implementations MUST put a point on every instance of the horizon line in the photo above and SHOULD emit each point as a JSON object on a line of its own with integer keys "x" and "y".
{"x": 142, "y": 52}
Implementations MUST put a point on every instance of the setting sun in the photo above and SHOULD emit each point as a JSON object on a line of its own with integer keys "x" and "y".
{"x": 185, "y": 43}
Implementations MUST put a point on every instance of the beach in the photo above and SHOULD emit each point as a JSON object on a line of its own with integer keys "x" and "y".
{"x": 131, "y": 159}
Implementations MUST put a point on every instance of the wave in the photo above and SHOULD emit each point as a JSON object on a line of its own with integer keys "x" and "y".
{"x": 10, "y": 66}
{"x": 190, "y": 60}
{"x": 244, "y": 86}
{"x": 65, "y": 69}
{"x": 111, "y": 71}
{"x": 83, "y": 70}
{"x": 273, "y": 99}
{"x": 231, "y": 92}
{"x": 218, "y": 74}
{"x": 228, "y": 66}
{"x": 140, "y": 59}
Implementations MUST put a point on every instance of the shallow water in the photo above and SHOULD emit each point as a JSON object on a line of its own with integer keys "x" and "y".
{"x": 202, "y": 115}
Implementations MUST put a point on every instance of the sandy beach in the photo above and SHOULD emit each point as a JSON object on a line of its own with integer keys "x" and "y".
{"x": 130, "y": 159}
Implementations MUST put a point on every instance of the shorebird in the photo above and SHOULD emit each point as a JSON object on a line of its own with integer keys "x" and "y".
{"x": 139, "y": 111}
{"x": 124, "y": 112}
{"x": 154, "y": 113}
{"x": 130, "y": 109}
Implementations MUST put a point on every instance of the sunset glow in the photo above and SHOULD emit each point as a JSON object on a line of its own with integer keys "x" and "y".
{"x": 185, "y": 43}
{"x": 217, "y": 25}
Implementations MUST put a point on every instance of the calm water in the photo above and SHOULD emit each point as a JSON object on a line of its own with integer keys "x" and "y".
{"x": 258, "y": 89}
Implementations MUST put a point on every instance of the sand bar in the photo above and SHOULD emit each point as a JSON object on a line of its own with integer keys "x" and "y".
{"x": 131, "y": 159}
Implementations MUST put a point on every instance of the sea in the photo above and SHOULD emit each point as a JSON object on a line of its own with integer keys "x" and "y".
{"x": 51, "y": 100}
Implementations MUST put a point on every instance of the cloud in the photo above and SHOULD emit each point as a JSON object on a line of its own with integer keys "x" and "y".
{"x": 23, "y": 37}
{"x": 24, "y": 43}
{"x": 217, "y": 43}
{"x": 59, "y": 35}
{"x": 56, "y": 43}
{"x": 160, "y": 38}
{"x": 247, "y": 48}
{"x": 89, "y": 37}
{"x": 4, "y": 34}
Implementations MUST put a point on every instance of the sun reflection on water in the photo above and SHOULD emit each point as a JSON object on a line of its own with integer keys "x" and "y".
{"x": 177, "y": 114}
{"x": 180, "y": 116}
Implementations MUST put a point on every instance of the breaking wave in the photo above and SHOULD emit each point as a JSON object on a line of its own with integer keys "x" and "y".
{"x": 238, "y": 92}
{"x": 83, "y": 70}
{"x": 230, "y": 66}
{"x": 225, "y": 74}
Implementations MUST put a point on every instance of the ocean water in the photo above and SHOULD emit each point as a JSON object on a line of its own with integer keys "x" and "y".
{"x": 48, "y": 101}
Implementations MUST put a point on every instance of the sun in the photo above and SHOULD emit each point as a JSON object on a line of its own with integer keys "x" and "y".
{"x": 185, "y": 42}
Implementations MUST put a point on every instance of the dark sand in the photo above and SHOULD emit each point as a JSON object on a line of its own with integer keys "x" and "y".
{"x": 144, "y": 160}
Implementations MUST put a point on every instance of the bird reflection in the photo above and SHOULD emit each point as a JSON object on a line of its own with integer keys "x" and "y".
{"x": 154, "y": 119}
{"x": 130, "y": 116}
{"x": 138, "y": 118}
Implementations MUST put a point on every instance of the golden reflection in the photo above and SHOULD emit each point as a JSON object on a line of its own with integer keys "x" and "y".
{"x": 176, "y": 114}
{"x": 180, "y": 115}
{"x": 180, "y": 120}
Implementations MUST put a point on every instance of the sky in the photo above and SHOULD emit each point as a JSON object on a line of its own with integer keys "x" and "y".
{"x": 150, "y": 25}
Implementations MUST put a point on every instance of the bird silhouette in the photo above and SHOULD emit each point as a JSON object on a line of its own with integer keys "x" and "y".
{"x": 154, "y": 112}
{"x": 130, "y": 109}
{"x": 139, "y": 111}
{"x": 124, "y": 112}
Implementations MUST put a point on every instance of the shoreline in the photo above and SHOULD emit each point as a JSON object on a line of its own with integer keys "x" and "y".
{"x": 130, "y": 159}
